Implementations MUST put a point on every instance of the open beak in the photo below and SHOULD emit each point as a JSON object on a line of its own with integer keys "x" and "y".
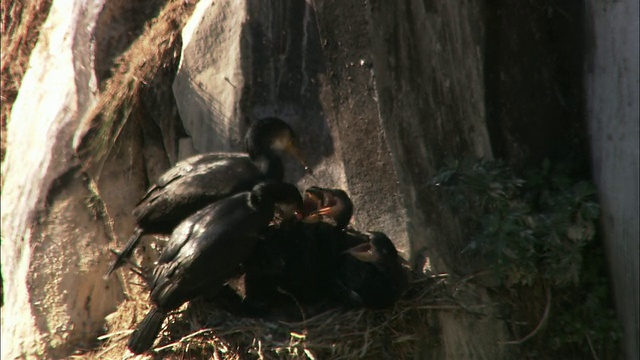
{"x": 323, "y": 211}
{"x": 364, "y": 252}
{"x": 311, "y": 201}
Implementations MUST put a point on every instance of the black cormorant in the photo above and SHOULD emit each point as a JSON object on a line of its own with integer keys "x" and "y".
{"x": 370, "y": 274}
{"x": 207, "y": 248}
{"x": 296, "y": 259}
{"x": 332, "y": 204}
{"x": 202, "y": 179}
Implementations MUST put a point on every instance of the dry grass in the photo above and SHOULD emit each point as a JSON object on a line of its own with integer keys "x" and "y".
{"x": 158, "y": 45}
{"x": 202, "y": 330}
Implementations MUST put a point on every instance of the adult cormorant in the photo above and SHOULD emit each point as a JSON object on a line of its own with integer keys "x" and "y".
{"x": 202, "y": 179}
{"x": 207, "y": 248}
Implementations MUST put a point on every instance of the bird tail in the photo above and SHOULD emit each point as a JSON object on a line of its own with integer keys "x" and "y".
{"x": 123, "y": 255}
{"x": 145, "y": 334}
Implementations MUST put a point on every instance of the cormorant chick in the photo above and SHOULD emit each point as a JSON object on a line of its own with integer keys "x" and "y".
{"x": 370, "y": 274}
{"x": 298, "y": 258}
{"x": 207, "y": 248}
{"x": 202, "y": 179}
{"x": 332, "y": 204}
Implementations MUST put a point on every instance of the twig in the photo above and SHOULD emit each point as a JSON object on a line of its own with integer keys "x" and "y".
{"x": 438, "y": 307}
{"x": 455, "y": 307}
{"x": 140, "y": 274}
{"x": 137, "y": 284}
{"x": 473, "y": 276}
{"x": 543, "y": 320}
{"x": 282, "y": 291}
{"x": 315, "y": 9}
{"x": 103, "y": 210}
{"x": 121, "y": 334}
{"x": 99, "y": 355}
{"x": 110, "y": 335}
{"x": 186, "y": 337}
{"x": 593, "y": 351}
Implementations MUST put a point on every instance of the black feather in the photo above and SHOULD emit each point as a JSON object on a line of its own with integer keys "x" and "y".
{"x": 126, "y": 252}
{"x": 145, "y": 334}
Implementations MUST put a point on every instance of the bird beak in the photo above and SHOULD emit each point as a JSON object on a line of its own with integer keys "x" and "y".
{"x": 323, "y": 211}
{"x": 364, "y": 252}
{"x": 295, "y": 151}
{"x": 320, "y": 202}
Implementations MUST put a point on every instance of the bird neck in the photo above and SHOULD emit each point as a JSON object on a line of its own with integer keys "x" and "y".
{"x": 270, "y": 165}
{"x": 342, "y": 221}
{"x": 262, "y": 202}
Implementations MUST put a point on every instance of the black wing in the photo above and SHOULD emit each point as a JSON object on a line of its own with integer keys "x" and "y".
{"x": 192, "y": 184}
{"x": 194, "y": 165}
{"x": 376, "y": 285}
{"x": 206, "y": 249}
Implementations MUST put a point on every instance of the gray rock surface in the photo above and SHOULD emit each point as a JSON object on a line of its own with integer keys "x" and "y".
{"x": 57, "y": 223}
{"x": 378, "y": 99}
{"x": 209, "y": 81}
{"x": 47, "y": 231}
{"x": 612, "y": 111}
{"x": 272, "y": 64}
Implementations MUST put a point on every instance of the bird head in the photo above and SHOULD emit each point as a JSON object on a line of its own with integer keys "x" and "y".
{"x": 377, "y": 248}
{"x": 286, "y": 197}
{"x": 270, "y": 135}
{"x": 332, "y": 203}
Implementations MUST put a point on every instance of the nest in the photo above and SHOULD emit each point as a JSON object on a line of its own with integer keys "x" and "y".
{"x": 204, "y": 330}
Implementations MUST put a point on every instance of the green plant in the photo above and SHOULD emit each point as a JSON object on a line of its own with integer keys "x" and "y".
{"x": 539, "y": 227}
{"x": 584, "y": 316}
{"x": 526, "y": 228}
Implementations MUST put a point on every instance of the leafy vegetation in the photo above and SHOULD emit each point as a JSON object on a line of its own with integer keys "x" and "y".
{"x": 539, "y": 228}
